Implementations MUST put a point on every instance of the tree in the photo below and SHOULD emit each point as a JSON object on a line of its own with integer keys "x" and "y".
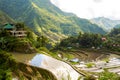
{"x": 41, "y": 41}
{"x": 114, "y": 32}
{"x": 89, "y": 40}
{"x": 3, "y": 42}
{"x": 20, "y": 25}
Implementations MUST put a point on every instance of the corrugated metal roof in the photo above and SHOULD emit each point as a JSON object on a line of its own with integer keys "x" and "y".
{"x": 9, "y": 26}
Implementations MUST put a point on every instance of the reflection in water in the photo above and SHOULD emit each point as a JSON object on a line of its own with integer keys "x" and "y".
{"x": 61, "y": 69}
{"x": 37, "y": 60}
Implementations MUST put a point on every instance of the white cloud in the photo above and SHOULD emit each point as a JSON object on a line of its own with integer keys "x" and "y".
{"x": 90, "y": 8}
{"x": 97, "y": 1}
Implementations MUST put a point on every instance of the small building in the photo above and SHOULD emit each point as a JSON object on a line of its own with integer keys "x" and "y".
{"x": 12, "y": 29}
{"x": 9, "y": 27}
{"x": 19, "y": 33}
{"x": 104, "y": 39}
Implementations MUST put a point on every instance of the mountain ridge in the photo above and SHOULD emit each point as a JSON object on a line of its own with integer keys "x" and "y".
{"x": 4, "y": 18}
{"x": 46, "y": 19}
{"x": 105, "y": 23}
{"x": 117, "y": 26}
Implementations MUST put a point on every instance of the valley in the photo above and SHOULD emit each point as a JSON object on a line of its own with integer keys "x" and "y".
{"x": 38, "y": 41}
{"x": 86, "y": 56}
{"x": 34, "y": 59}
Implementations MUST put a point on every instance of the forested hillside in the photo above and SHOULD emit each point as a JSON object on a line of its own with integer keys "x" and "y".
{"x": 4, "y": 18}
{"x": 105, "y": 23}
{"x": 96, "y": 41}
{"x": 45, "y": 18}
{"x": 117, "y": 26}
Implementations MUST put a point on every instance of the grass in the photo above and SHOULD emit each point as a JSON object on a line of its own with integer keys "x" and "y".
{"x": 106, "y": 60}
{"x": 90, "y": 65}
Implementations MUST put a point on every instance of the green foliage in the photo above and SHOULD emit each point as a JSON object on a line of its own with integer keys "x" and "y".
{"x": 68, "y": 42}
{"x": 117, "y": 26}
{"x": 105, "y": 23}
{"x": 4, "y": 18}
{"x": 5, "y": 75}
{"x": 9, "y": 66}
{"x": 4, "y": 33}
{"x": 108, "y": 76}
{"x": 24, "y": 45}
{"x": 20, "y": 25}
{"x": 84, "y": 40}
{"x": 87, "y": 26}
{"x": 41, "y": 42}
{"x": 4, "y": 40}
{"x": 6, "y": 65}
{"x": 113, "y": 42}
{"x": 89, "y": 40}
{"x": 11, "y": 43}
{"x": 7, "y": 42}
{"x": 89, "y": 65}
{"x": 44, "y": 49}
{"x": 115, "y": 32}
{"x": 106, "y": 60}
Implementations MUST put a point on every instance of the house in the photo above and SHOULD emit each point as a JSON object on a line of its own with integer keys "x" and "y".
{"x": 104, "y": 39}
{"x": 14, "y": 31}
{"x": 9, "y": 27}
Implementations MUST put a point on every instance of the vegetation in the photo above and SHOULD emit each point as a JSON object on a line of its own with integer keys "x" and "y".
{"x": 90, "y": 65}
{"x": 11, "y": 43}
{"x": 6, "y": 41}
{"x": 105, "y": 23}
{"x": 115, "y": 32}
{"x": 114, "y": 40}
{"x": 49, "y": 24}
{"x": 9, "y": 68}
{"x": 117, "y": 26}
{"x": 6, "y": 63}
{"x": 30, "y": 42}
{"x": 47, "y": 19}
{"x": 108, "y": 76}
{"x": 41, "y": 42}
{"x": 95, "y": 41}
{"x": 87, "y": 40}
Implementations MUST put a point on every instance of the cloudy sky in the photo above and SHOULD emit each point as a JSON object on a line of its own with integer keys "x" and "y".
{"x": 90, "y": 8}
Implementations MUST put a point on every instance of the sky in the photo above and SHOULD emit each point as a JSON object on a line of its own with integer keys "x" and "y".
{"x": 90, "y": 8}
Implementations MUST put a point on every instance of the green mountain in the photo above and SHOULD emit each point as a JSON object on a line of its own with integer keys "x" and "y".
{"x": 105, "y": 23}
{"x": 46, "y": 19}
{"x": 4, "y": 18}
{"x": 117, "y": 26}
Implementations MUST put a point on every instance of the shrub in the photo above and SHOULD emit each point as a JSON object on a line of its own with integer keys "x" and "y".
{"x": 89, "y": 65}
{"x": 5, "y": 75}
{"x": 108, "y": 76}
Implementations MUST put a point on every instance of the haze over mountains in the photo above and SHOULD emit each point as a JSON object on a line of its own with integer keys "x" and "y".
{"x": 45, "y": 18}
{"x": 105, "y": 23}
